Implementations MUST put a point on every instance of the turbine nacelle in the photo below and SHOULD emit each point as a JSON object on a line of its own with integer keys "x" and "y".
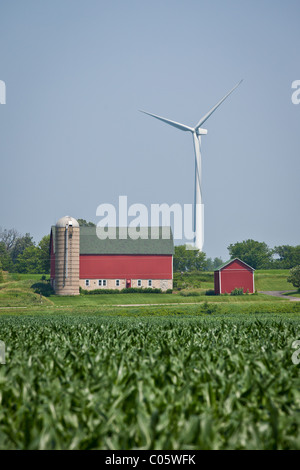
{"x": 201, "y": 131}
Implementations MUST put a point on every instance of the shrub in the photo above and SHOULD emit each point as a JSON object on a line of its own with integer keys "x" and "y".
{"x": 294, "y": 276}
{"x": 189, "y": 294}
{"x": 139, "y": 290}
{"x": 43, "y": 288}
{"x": 169, "y": 291}
{"x": 126, "y": 290}
{"x": 98, "y": 291}
{"x": 209, "y": 308}
{"x": 237, "y": 291}
{"x": 210, "y": 292}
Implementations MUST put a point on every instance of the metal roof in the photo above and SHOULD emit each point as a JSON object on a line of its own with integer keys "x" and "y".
{"x": 67, "y": 220}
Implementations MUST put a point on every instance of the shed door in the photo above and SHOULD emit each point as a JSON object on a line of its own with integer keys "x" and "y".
{"x": 128, "y": 283}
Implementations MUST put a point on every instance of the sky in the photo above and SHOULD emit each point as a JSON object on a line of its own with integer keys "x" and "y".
{"x": 72, "y": 138}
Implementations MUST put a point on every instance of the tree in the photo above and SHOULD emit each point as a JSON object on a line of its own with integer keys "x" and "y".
{"x": 294, "y": 276}
{"x": 29, "y": 261}
{"x": 20, "y": 244}
{"x": 211, "y": 265}
{"x": 188, "y": 260}
{"x": 5, "y": 259}
{"x": 256, "y": 254}
{"x": 217, "y": 262}
{"x": 19, "y": 253}
{"x": 35, "y": 259}
{"x": 288, "y": 256}
{"x": 84, "y": 223}
{"x": 8, "y": 237}
{"x": 1, "y": 273}
{"x": 44, "y": 254}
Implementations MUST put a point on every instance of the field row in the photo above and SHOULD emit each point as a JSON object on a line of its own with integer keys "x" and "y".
{"x": 117, "y": 383}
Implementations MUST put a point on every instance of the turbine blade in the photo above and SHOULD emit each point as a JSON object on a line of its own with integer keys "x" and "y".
{"x": 204, "y": 118}
{"x": 182, "y": 127}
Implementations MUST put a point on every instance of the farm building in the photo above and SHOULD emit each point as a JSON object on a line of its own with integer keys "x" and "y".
{"x": 79, "y": 258}
{"x": 234, "y": 274}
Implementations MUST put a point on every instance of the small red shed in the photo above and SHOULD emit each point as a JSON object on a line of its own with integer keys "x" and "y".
{"x": 232, "y": 274}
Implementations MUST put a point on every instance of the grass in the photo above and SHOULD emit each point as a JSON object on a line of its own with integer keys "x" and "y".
{"x": 265, "y": 280}
{"x": 17, "y": 291}
{"x": 194, "y": 280}
{"x": 22, "y": 277}
{"x": 294, "y": 293}
{"x": 202, "y": 309}
{"x": 127, "y": 299}
{"x": 273, "y": 279}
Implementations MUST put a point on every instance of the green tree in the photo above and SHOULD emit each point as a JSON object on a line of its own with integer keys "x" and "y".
{"x": 84, "y": 223}
{"x": 1, "y": 273}
{"x": 294, "y": 276}
{"x": 217, "y": 262}
{"x": 256, "y": 254}
{"x": 209, "y": 265}
{"x": 288, "y": 256}
{"x": 35, "y": 259}
{"x": 20, "y": 244}
{"x": 5, "y": 258}
{"x": 44, "y": 254}
{"x": 29, "y": 261}
{"x": 188, "y": 260}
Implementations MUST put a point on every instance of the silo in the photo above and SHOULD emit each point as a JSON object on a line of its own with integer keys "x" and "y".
{"x": 67, "y": 256}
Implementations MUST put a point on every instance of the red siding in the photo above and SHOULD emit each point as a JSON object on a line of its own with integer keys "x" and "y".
{"x": 237, "y": 265}
{"x": 125, "y": 266}
{"x": 235, "y": 274}
{"x": 217, "y": 287}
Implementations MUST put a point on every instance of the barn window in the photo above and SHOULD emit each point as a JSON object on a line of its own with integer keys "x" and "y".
{"x": 117, "y": 282}
{"x": 139, "y": 283}
{"x": 87, "y": 282}
{"x": 104, "y": 282}
{"x": 100, "y": 282}
{"x": 149, "y": 282}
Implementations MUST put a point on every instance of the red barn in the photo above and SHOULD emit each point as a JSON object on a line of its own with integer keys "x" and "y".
{"x": 79, "y": 258}
{"x": 232, "y": 274}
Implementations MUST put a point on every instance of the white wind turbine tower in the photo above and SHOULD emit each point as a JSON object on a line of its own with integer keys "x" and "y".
{"x": 197, "y": 131}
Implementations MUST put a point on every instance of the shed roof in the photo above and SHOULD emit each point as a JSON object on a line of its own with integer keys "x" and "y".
{"x": 231, "y": 261}
{"x": 153, "y": 241}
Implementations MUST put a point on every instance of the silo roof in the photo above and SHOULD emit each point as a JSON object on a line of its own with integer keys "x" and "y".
{"x": 63, "y": 221}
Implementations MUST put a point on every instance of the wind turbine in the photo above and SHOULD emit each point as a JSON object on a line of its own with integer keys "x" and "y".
{"x": 197, "y": 132}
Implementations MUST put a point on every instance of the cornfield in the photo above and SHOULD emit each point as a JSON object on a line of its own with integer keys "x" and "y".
{"x": 90, "y": 382}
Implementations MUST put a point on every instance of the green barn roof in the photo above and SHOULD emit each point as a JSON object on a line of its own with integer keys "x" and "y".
{"x": 152, "y": 241}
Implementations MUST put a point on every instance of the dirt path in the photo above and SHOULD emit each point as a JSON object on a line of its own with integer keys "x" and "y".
{"x": 280, "y": 293}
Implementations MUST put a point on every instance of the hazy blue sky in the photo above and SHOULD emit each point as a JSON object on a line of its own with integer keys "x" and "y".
{"x": 72, "y": 138}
